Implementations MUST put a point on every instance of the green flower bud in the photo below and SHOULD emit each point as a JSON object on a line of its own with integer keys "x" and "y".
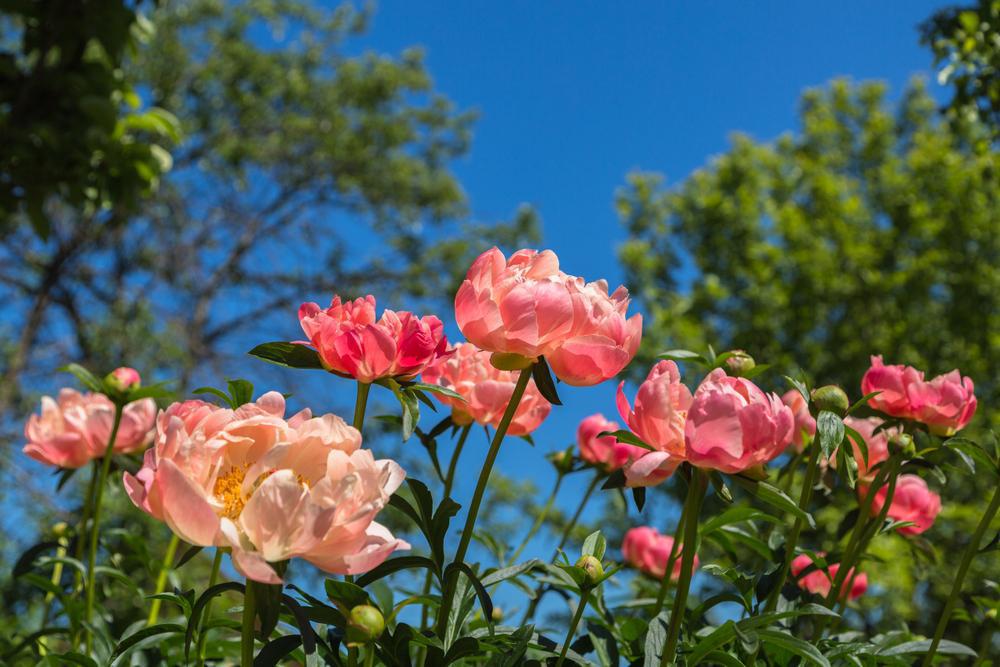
{"x": 562, "y": 460}
{"x": 902, "y": 443}
{"x": 740, "y": 363}
{"x": 593, "y": 568}
{"x": 364, "y": 625}
{"x": 122, "y": 379}
{"x": 497, "y": 614}
{"x": 831, "y": 398}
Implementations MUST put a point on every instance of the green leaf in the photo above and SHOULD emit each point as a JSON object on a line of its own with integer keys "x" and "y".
{"x": 773, "y": 496}
{"x": 292, "y": 355}
{"x": 130, "y": 642}
{"x": 274, "y": 651}
{"x": 343, "y": 592}
{"x": 627, "y": 437}
{"x": 508, "y": 572}
{"x": 829, "y": 431}
{"x": 737, "y": 514}
{"x": 435, "y": 389}
{"x": 726, "y": 632}
{"x": 656, "y": 637}
{"x": 216, "y": 392}
{"x": 946, "y": 647}
{"x": 241, "y": 391}
{"x": 863, "y": 401}
{"x": 199, "y": 605}
{"x": 394, "y": 565}
{"x": 86, "y": 378}
{"x": 543, "y": 380}
{"x": 187, "y": 555}
{"x": 683, "y": 355}
{"x": 484, "y": 597}
{"x": 595, "y": 545}
{"x": 792, "y": 644}
{"x": 799, "y": 386}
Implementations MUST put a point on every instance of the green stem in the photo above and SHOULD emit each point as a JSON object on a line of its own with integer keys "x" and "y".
{"x": 956, "y": 588}
{"x": 206, "y": 615}
{"x": 246, "y": 634}
{"x": 161, "y": 580}
{"x": 696, "y": 495}
{"x": 370, "y": 657}
{"x": 804, "y": 497}
{"x": 95, "y": 523}
{"x": 667, "y": 578}
{"x": 360, "y": 403}
{"x": 477, "y": 497}
{"x": 538, "y": 521}
{"x": 533, "y": 605}
{"x": 572, "y": 627}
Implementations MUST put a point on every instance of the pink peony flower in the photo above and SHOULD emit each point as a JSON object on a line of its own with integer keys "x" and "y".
{"x": 350, "y": 342}
{"x": 819, "y": 582}
{"x": 527, "y": 306}
{"x": 945, "y": 404}
{"x": 661, "y": 407}
{"x": 648, "y": 551}
{"x": 271, "y": 489}
{"x": 486, "y": 390}
{"x": 75, "y": 428}
{"x": 606, "y": 453}
{"x": 911, "y": 501}
{"x": 805, "y": 425}
{"x": 732, "y": 425}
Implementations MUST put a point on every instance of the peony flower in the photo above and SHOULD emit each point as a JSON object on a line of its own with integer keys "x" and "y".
{"x": 732, "y": 425}
{"x": 945, "y": 404}
{"x": 819, "y": 582}
{"x": 646, "y": 550}
{"x": 912, "y": 501}
{"x": 271, "y": 489}
{"x": 661, "y": 407}
{"x": 75, "y": 428}
{"x": 352, "y": 343}
{"x": 486, "y": 390}
{"x": 606, "y": 453}
{"x": 805, "y": 425}
{"x": 526, "y": 306}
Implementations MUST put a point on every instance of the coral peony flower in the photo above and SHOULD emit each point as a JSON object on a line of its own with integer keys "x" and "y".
{"x": 270, "y": 488}
{"x": 606, "y": 453}
{"x": 646, "y": 550}
{"x": 528, "y": 307}
{"x": 732, "y": 425}
{"x": 805, "y": 425}
{"x": 350, "y": 342}
{"x": 75, "y": 428}
{"x": 661, "y": 407}
{"x": 912, "y": 501}
{"x": 486, "y": 390}
{"x": 819, "y": 582}
{"x": 945, "y": 404}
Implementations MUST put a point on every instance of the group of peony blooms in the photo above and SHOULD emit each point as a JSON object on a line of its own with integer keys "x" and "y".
{"x": 270, "y": 488}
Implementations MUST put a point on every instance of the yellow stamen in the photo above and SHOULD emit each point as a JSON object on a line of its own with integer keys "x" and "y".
{"x": 229, "y": 491}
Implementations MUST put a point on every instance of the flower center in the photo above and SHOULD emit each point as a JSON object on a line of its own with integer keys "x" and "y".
{"x": 229, "y": 491}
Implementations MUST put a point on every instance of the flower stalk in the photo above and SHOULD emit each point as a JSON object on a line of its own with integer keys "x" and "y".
{"x": 161, "y": 580}
{"x": 584, "y": 597}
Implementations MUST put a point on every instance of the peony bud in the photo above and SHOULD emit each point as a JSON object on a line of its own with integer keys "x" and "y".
{"x": 592, "y": 566}
{"x": 364, "y": 625}
{"x": 497, "y": 614}
{"x": 832, "y": 398}
{"x": 59, "y": 529}
{"x": 562, "y": 460}
{"x": 740, "y": 363}
{"x": 902, "y": 443}
{"x": 124, "y": 378}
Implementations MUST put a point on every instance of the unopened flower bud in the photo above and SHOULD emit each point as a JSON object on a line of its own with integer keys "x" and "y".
{"x": 364, "y": 625}
{"x": 740, "y": 363}
{"x": 59, "y": 529}
{"x": 831, "y": 398}
{"x": 123, "y": 379}
{"x": 562, "y": 460}
{"x": 508, "y": 361}
{"x": 592, "y": 566}
{"x": 497, "y": 614}
{"x": 902, "y": 443}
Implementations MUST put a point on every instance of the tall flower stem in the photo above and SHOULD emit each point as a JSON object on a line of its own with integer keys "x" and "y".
{"x": 539, "y": 520}
{"x": 793, "y": 539}
{"x": 95, "y": 523}
{"x": 206, "y": 615}
{"x": 696, "y": 495}
{"x": 360, "y": 403}
{"x": 161, "y": 580}
{"x": 477, "y": 497}
{"x": 668, "y": 572}
{"x": 88, "y": 505}
{"x": 572, "y": 627}
{"x": 533, "y": 605}
{"x": 246, "y": 634}
{"x": 956, "y": 588}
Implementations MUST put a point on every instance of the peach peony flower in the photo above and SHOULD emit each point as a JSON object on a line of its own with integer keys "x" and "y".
{"x": 648, "y": 551}
{"x": 661, "y": 407}
{"x": 350, "y": 342}
{"x": 528, "y": 307}
{"x": 732, "y": 425}
{"x": 805, "y": 425}
{"x": 945, "y": 404}
{"x": 270, "y": 488}
{"x": 819, "y": 582}
{"x": 75, "y": 428}
{"x": 911, "y": 501}
{"x": 486, "y": 390}
{"x": 606, "y": 452}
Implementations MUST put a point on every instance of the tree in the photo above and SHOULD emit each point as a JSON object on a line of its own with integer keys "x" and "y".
{"x": 870, "y": 231}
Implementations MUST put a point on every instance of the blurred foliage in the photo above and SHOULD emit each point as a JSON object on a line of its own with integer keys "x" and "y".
{"x": 870, "y": 231}
{"x": 73, "y": 127}
{"x": 966, "y": 45}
